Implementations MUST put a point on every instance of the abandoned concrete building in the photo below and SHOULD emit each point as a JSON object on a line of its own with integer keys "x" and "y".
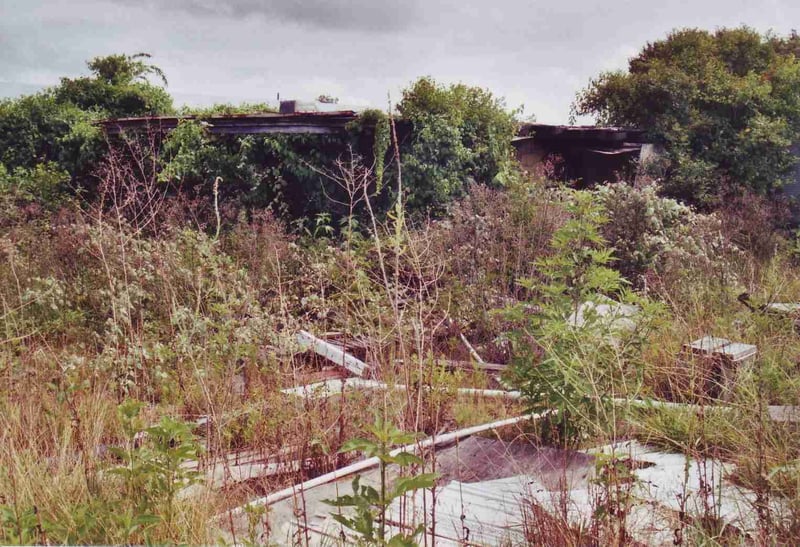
{"x": 585, "y": 155}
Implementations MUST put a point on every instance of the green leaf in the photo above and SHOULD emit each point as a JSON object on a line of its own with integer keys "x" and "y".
{"x": 360, "y": 445}
{"x": 404, "y": 459}
{"x": 404, "y": 485}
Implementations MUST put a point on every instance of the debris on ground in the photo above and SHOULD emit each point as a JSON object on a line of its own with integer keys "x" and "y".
{"x": 333, "y": 352}
{"x": 488, "y": 488}
{"x": 720, "y": 361}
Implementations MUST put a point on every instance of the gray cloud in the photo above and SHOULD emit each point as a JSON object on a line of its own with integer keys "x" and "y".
{"x": 345, "y": 15}
{"x": 533, "y": 52}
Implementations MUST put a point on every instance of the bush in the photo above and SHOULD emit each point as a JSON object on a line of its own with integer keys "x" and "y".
{"x": 459, "y": 135}
{"x": 641, "y": 226}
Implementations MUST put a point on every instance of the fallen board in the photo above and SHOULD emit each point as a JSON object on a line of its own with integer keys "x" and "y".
{"x": 333, "y": 353}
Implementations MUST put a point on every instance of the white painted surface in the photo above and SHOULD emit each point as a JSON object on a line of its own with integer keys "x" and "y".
{"x": 333, "y": 353}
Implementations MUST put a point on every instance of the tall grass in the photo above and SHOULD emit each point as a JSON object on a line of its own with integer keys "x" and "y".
{"x": 141, "y": 297}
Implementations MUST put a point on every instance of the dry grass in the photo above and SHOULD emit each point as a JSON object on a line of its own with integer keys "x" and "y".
{"x": 123, "y": 301}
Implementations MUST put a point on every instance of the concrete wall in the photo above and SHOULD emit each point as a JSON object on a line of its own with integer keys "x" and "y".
{"x": 577, "y": 163}
{"x": 793, "y": 188}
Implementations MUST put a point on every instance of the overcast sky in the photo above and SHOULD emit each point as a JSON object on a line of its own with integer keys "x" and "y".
{"x": 533, "y": 53}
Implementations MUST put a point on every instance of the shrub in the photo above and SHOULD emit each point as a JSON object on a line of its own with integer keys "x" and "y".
{"x": 459, "y": 135}
{"x": 641, "y": 226}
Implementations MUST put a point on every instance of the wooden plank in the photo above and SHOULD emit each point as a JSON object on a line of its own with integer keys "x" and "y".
{"x": 331, "y": 352}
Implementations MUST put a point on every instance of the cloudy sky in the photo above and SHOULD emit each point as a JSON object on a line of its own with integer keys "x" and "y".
{"x": 533, "y": 53}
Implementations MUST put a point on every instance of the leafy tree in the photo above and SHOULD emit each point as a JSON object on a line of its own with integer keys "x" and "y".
{"x": 725, "y": 106}
{"x": 37, "y": 128}
{"x": 459, "y": 134}
{"x": 279, "y": 172}
{"x": 118, "y": 87}
{"x": 56, "y": 125}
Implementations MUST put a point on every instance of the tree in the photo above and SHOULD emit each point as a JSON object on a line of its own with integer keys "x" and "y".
{"x": 724, "y": 105}
{"x": 56, "y": 125}
{"x": 459, "y": 134}
{"x": 118, "y": 87}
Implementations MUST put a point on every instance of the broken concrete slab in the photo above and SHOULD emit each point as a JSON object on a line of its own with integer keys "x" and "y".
{"x": 707, "y": 345}
{"x": 491, "y": 506}
{"x": 787, "y": 308}
{"x": 732, "y": 352}
{"x": 784, "y": 413}
{"x": 720, "y": 361}
{"x": 609, "y": 314}
{"x": 332, "y": 352}
{"x": 479, "y": 459}
{"x": 238, "y": 515}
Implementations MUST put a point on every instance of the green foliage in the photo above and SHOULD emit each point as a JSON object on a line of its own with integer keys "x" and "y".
{"x": 55, "y": 125}
{"x": 566, "y": 356}
{"x": 42, "y": 185}
{"x": 19, "y": 527}
{"x": 226, "y": 109}
{"x": 381, "y": 141}
{"x": 459, "y": 135}
{"x": 39, "y": 128}
{"x": 641, "y": 227}
{"x": 578, "y": 267}
{"x": 725, "y": 106}
{"x": 285, "y": 174}
{"x": 153, "y": 472}
{"x": 370, "y": 504}
{"x": 118, "y": 87}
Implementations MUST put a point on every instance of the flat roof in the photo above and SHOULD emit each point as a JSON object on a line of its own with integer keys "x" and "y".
{"x": 336, "y": 122}
{"x": 236, "y": 124}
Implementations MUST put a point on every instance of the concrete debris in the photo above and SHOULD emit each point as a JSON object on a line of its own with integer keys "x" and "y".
{"x": 722, "y": 361}
{"x": 489, "y": 487}
{"x": 782, "y": 413}
{"x": 370, "y": 463}
{"x": 237, "y": 467}
{"x": 787, "y": 308}
{"x": 733, "y": 352}
{"x": 222, "y": 474}
{"x": 332, "y": 352}
{"x": 611, "y": 315}
{"x": 496, "y": 510}
{"x": 479, "y": 459}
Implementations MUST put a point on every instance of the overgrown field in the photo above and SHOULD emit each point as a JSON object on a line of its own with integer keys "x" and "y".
{"x": 144, "y": 314}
